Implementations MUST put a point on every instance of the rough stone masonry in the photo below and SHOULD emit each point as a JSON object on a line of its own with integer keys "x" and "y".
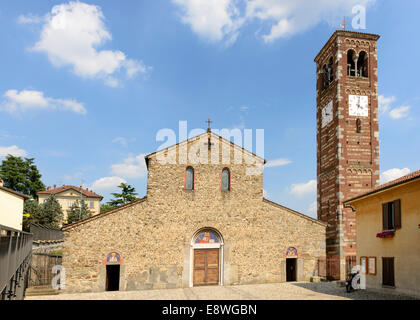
{"x": 154, "y": 236}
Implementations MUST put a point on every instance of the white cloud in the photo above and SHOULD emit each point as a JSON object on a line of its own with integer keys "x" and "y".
{"x": 29, "y": 18}
{"x": 400, "y": 112}
{"x": 385, "y": 103}
{"x": 106, "y": 184}
{"x": 277, "y": 163}
{"x": 287, "y": 18}
{"x": 12, "y": 150}
{"x": 213, "y": 20}
{"x": 393, "y": 174}
{"x": 132, "y": 167}
{"x": 300, "y": 189}
{"x": 217, "y": 20}
{"x": 312, "y": 210}
{"x": 15, "y": 101}
{"x": 396, "y": 113}
{"x": 71, "y": 35}
{"x": 123, "y": 141}
{"x": 265, "y": 194}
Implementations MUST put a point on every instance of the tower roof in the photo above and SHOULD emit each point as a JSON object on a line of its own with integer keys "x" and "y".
{"x": 345, "y": 33}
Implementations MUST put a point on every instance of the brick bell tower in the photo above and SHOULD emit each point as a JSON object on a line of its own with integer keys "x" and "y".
{"x": 347, "y": 138}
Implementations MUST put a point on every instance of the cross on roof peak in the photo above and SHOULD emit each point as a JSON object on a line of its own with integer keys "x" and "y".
{"x": 209, "y": 122}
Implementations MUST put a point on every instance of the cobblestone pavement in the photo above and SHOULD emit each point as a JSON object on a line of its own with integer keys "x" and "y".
{"x": 271, "y": 291}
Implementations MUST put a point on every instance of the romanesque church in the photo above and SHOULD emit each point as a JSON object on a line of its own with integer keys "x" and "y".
{"x": 208, "y": 223}
{"x": 199, "y": 224}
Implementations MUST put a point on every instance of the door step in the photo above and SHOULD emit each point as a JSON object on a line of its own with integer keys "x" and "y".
{"x": 40, "y": 291}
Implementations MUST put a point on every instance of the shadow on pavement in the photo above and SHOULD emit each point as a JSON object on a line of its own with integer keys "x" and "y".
{"x": 333, "y": 289}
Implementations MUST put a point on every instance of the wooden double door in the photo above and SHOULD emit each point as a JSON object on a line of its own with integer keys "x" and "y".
{"x": 206, "y": 267}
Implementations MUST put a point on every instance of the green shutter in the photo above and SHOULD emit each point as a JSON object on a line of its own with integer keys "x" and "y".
{"x": 385, "y": 216}
{"x": 397, "y": 214}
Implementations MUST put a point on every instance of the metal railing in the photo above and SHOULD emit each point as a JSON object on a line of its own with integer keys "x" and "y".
{"x": 45, "y": 233}
{"x": 15, "y": 260}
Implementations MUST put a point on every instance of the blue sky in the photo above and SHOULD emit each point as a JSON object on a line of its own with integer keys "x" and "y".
{"x": 86, "y": 86}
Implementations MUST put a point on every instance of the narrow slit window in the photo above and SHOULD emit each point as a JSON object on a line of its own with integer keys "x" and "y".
{"x": 358, "y": 126}
{"x": 225, "y": 180}
{"x": 189, "y": 179}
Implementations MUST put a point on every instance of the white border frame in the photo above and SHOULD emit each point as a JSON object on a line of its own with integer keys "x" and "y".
{"x": 194, "y": 246}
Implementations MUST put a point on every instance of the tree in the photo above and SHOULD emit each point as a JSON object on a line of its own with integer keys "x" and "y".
{"x": 128, "y": 194}
{"x": 78, "y": 211}
{"x": 106, "y": 207}
{"x": 52, "y": 213}
{"x": 34, "y": 211}
{"x": 21, "y": 175}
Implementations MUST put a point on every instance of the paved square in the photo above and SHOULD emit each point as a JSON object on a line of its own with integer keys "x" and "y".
{"x": 271, "y": 291}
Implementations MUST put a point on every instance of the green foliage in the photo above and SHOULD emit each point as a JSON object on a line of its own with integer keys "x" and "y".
{"x": 52, "y": 213}
{"x": 127, "y": 195}
{"x": 21, "y": 175}
{"x": 32, "y": 208}
{"x": 106, "y": 207}
{"x": 78, "y": 212}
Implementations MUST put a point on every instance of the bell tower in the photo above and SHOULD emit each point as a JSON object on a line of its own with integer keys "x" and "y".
{"x": 347, "y": 138}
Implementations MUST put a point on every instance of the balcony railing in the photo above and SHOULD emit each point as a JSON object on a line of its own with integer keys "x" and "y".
{"x": 15, "y": 260}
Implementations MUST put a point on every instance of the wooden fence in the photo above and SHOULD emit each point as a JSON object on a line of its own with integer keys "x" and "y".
{"x": 41, "y": 269}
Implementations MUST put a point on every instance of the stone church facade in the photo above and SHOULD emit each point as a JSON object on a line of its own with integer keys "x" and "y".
{"x": 216, "y": 229}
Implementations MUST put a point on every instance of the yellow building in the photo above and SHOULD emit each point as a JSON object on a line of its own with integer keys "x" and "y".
{"x": 388, "y": 235}
{"x": 67, "y": 195}
{"x": 11, "y": 207}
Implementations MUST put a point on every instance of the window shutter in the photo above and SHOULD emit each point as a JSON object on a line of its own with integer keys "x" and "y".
{"x": 397, "y": 214}
{"x": 385, "y": 216}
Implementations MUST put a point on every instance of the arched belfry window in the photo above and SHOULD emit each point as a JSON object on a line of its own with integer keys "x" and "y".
{"x": 189, "y": 178}
{"x": 351, "y": 63}
{"x": 362, "y": 64}
{"x": 225, "y": 179}
{"x": 325, "y": 76}
{"x": 330, "y": 71}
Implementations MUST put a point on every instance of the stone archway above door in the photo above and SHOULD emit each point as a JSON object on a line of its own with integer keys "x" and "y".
{"x": 206, "y": 258}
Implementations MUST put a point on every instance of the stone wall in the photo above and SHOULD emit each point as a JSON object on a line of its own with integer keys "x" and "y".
{"x": 153, "y": 235}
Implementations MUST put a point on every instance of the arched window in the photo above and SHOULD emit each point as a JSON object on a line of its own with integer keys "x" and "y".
{"x": 351, "y": 63}
{"x": 189, "y": 178}
{"x": 362, "y": 64}
{"x": 358, "y": 126}
{"x": 225, "y": 179}
{"x": 330, "y": 70}
{"x": 325, "y": 76}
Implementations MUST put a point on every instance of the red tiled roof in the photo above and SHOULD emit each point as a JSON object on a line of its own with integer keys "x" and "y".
{"x": 85, "y": 192}
{"x": 407, "y": 178}
{"x": 23, "y": 196}
{"x": 102, "y": 214}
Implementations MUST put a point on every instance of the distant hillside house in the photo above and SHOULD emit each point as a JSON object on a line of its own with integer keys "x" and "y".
{"x": 11, "y": 207}
{"x": 67, "y": 195}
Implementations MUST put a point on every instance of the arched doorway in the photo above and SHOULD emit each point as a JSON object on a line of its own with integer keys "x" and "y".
{"x": 113, "y": 263}
{"x": 206, "y": 258}
{"x": 291, "y": 256}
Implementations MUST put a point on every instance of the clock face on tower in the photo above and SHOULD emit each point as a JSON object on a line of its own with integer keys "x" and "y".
{"x": 327, "y": 114}
{"x": 358, "y": 106}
